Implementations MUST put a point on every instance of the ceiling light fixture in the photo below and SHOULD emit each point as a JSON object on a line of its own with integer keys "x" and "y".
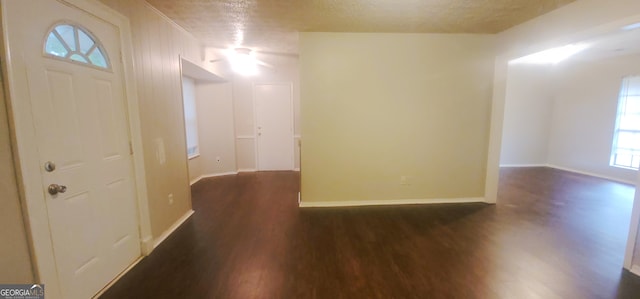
{"x": 243, "y": 62}
{"x": 551, "y": 56}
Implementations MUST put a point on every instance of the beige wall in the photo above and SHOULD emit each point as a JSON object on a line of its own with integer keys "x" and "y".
{"x": 286, "y": 71}
{"x": 527, "y": 116}
{"x": 584, "y": 115}
{"x": 376, "y": 107}
{"x": 15, "y": 260}
{"x": 158, "y": 44}
{"x": 215, "y": 129}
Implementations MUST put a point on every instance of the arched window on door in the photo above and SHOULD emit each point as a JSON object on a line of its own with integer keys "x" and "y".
{"x": 75, "y": 44}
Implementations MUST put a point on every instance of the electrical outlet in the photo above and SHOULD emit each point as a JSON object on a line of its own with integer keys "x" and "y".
{"x": 405, "y": 180}
{"x": 170, "y": 198}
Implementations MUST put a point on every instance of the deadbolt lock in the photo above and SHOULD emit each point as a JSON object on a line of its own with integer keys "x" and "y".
{"x": 49, "y": 166}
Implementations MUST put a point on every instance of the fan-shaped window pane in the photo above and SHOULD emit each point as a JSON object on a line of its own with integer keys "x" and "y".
{"x": 67, "y": 34}
{"x": 97, "y": 58}
{"x": 86, "y": 42}
{"x": 78, "y": 57}
{"x": 73, "y": 43}
{"x": 55, "y": 46}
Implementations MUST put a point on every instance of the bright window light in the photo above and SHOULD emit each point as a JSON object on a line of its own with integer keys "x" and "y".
{"x": 551, "y": 56}
{"x": 243, "y": 63}
{"x": 626, "y": 139}
{"x": 190, "y": 116}
{"x": 631, "y": 27}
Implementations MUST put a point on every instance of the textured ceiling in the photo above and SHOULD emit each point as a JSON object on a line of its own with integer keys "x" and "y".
{"x": 271, "y": 25}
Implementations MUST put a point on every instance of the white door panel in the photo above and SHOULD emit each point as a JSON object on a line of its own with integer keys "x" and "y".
{"x": 274, "y": 126}
{"x": 80, "y": 123}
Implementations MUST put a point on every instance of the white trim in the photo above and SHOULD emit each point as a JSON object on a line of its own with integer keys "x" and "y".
{"x": 494, "y": 149}
{"x": 247, "y": 170}
{"x": 633, "y": 232}
{"x": 635, "y": 270}
{"x": 359, "y": 203}
{"x": 146, "y": 245}
{"x": 196, "y": 155}
{"x": 26, "y": 158}
{"x": 110, "y": 284}
{"x": 171, "y": 229}
{"x": 204, "y": 176}
{"x": 144, "y": 217}
{"x": 522, "y": 165}
{"x": 591, "y": 174}
{"x": 246, "y": 137}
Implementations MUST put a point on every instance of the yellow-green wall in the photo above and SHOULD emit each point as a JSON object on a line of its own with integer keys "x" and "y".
{"x": 377, "y": 107}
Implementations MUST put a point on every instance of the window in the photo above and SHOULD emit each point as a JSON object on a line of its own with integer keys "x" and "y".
{"x": 72, "y": 43}
{"x": 190, "y": 117}
{"x": 626, "y": 140}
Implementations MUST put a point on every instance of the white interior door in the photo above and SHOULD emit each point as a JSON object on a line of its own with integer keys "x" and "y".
{"x": 274, "y": 126}
{"x": 78, "y": 107}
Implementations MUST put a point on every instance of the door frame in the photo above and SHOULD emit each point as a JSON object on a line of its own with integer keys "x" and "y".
{"x": 255, "y": 121}
{"x": 26, "y": 156}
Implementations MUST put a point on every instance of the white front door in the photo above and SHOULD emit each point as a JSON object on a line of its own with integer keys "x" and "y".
{"x": 274, "y": 126}
{"x": 78, "y": 107}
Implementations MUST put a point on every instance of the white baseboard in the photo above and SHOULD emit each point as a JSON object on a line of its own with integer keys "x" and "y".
{"x": 171, "y": 229}
{"x": 521, "y": 165}
{"x": 635, "y": 269}
{"x": 255, "y": 170}
{"x": 359, "y": 203}
{"x": 204, "y": 176}
{"x": 146, "y": 246}
{"x": 590, "y": 174}
{"x": 569, "y": 170}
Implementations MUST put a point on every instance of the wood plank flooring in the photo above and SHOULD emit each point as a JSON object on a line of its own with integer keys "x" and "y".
{"x": 553, "y": 234}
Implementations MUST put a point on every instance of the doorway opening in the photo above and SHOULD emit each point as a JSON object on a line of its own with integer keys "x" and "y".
{"x": 560, "y": 122}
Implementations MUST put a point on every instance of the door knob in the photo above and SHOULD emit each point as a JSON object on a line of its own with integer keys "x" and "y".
{"x": 55, "y": 189}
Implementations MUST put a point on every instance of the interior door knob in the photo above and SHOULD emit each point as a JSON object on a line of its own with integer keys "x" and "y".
{"x": 55, "y": 189}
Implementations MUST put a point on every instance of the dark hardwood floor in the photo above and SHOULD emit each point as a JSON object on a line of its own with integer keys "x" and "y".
{"x": 553, "y": 234}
